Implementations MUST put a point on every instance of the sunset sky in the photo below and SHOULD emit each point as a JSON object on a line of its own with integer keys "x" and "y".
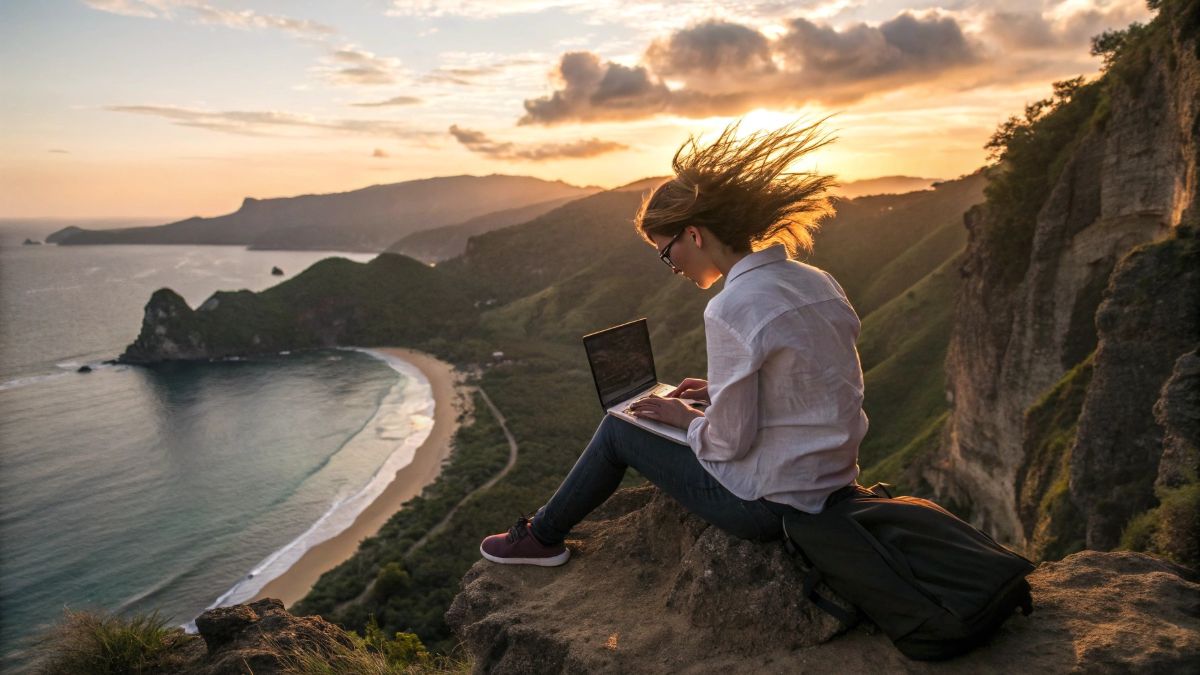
{"x": 173, "y": 108}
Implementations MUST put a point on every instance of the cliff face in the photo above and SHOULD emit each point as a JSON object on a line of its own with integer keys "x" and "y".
{"x": 1149, "y": 319}
{"x": 653, "y": 589}
{"x": 1131, "y": 178}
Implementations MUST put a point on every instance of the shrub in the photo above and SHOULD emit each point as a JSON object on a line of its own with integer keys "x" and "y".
{"x": 94, "y": 641}
{"x": 1170, "y": 530}
{"x": 373, "y": 654}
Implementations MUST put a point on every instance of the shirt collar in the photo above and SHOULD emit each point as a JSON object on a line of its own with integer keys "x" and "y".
{"x": 757, "y": 259}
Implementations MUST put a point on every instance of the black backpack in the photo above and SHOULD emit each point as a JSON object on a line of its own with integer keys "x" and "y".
{"x": 937, "y": 586}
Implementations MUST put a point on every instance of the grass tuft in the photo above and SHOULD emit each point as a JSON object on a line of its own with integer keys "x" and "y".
{"x": 100, "y": 643}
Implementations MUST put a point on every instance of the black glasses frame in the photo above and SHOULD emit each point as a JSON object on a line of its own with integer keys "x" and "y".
{"x": 664, "y": 254}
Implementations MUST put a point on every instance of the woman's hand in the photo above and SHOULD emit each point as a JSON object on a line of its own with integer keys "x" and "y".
{"x": 670, "y": 411}
{"x": 691, "y": 388}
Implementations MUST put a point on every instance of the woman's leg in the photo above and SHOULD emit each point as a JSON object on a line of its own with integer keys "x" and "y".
{"x": 674, "y": 468}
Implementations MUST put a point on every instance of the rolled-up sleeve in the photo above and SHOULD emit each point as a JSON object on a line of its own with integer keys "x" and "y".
{"x": 730, "y": 424}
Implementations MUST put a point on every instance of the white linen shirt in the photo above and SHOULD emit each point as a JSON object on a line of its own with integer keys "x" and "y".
{"x": 785, "y": 384}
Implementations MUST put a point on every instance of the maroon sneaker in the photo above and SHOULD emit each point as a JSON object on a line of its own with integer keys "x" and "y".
{"x": 519, "y": 547}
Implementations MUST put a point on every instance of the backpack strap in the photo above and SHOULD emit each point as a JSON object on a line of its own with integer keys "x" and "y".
{"x": 812, "y": 577}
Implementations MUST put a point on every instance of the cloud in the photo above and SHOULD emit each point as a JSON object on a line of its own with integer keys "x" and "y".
{"x": 480, "y": 143}
{"x": 476, "y": 9}
{"x": 202, "y": 12}
{"x": 58, "y": 151}
{"x": 144, "y": 8}
{"x": 905, "y": 45}
{"x": 723, "y": 68}
{"x": 395, "y": 100}
{"x": 1062, "y": 29}
{"x": 350, "y": 65}
{"x": 728, "y": 52}
{"x": 380, "y": 153}
{"x": 594, "y": 90}
{"x": 246, "y": 19}
{"x": 270, "y": 123}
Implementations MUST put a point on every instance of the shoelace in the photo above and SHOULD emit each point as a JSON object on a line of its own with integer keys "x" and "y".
{"x": 519, "y": 530}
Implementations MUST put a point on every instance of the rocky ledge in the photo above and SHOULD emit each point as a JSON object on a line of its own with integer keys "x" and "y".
{"x": 653, "y": 589}
{"x": 259, "y": 638}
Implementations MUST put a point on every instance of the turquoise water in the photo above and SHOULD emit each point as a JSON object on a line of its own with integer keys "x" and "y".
{"x": 132, "y": 488}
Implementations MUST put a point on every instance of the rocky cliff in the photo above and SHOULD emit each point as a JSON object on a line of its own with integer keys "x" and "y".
{"x": 653, "y": 589}
{"x": 1125, "y": 175}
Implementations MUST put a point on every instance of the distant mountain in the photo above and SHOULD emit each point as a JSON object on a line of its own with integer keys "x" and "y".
{"x": 369, "y": 219}
{"x": 443, "y": 243}
{"x": 883, "y": 185}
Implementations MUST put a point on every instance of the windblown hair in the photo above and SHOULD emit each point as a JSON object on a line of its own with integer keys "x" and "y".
{"x": 741, "y": 190}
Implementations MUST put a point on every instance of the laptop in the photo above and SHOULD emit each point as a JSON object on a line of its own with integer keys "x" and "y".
{"x": 623, "y": 369}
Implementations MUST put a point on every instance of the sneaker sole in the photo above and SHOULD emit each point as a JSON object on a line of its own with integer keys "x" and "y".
{"x": 553, "y": 561}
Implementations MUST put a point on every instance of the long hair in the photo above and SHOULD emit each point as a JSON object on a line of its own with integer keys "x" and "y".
{"x": 741, "y": 190}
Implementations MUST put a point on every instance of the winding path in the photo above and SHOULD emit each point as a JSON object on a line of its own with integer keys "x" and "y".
{"x": 441, "y": 525}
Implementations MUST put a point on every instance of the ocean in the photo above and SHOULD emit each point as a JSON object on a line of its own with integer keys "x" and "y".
{"x": 178, "y": 487}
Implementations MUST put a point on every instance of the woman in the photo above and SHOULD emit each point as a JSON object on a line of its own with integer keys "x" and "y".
{"x": 785, "y": 389}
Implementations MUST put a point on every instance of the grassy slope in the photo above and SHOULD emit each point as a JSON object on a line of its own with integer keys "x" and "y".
{"x": 903, "y": 347}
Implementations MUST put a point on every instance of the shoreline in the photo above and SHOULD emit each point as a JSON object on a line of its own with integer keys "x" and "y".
{"x": 448, "y": 395}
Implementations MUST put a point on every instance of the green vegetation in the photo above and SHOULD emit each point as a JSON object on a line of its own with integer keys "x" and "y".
{"x": 1054, "y": 527}
{"x": 1032, "y": 151}
{"x": 96, "y": 642}
{"x": 99, "y": 643}
{"x": 372, "y": 654}
{"x": 902, "y": 468}
{"x": 1171, "y": 529}
{"x": 903, "y": 350}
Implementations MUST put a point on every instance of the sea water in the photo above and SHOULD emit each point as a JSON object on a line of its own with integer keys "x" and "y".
{"x": 177, "y": 487}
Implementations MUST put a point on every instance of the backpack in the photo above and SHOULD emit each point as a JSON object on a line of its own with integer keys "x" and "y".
{"x": 935, "y": 585}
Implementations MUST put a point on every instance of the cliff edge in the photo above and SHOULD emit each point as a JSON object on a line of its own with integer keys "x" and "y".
{"x": 651, "y": 588}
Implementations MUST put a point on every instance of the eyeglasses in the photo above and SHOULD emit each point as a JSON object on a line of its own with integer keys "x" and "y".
{"x": 664, "y": 254}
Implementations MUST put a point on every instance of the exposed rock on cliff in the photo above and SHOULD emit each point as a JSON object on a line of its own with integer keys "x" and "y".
{"x": 260, "y": 637}
{"x": 645, "y": 574}
{"x": 652, "y": 589}
{"x": 1024, "y": 315}
{"x": 1150, "y": 316}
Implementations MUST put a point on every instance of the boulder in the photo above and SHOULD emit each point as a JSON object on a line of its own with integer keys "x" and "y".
{"x": 653, "y": 589}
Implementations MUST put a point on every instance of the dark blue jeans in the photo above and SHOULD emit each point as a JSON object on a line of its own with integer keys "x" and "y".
{"x": 674, "y": 468}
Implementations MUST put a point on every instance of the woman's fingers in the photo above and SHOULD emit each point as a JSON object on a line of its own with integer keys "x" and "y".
{"x": 688, "y": 384}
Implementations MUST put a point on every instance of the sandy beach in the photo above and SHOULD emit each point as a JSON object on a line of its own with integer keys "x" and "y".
{"x": 449, "y": 396}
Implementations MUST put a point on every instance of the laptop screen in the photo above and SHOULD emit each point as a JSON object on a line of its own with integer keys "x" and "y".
{"x": 621, "y": 360}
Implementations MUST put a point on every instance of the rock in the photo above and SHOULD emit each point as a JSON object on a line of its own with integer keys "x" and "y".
{"x": 652, "y": 589}
{"x": 644, "y": 573}
{"x": 84, "y": 369}
{"x": 1177, "y": 411}
{"x": 275, "y": 271}
{"x": 257, "y": 638}
{"x": 1150, "y": 316}
{"x": 168, "y": 332}
{"x": 1130, "y": 180}
{"x": 31, "y": 242}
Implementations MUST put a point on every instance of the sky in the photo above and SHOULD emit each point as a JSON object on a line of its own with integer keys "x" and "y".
{"x": 174, "y": 108}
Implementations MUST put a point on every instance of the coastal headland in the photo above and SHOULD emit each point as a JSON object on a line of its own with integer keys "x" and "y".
{"x": 449, "y": 395}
